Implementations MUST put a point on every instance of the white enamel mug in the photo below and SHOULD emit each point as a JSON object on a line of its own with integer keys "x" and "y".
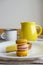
{"x": 10, "y": 35}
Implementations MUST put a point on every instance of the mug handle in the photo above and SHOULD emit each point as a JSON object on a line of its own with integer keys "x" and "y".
{"x": 40, "y": 30}
{"x": 3, "y": 35}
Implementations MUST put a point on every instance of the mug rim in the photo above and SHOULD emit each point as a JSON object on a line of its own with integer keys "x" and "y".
{"x": 11, "y": 30}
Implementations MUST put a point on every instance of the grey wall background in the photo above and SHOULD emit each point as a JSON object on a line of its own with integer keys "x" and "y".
{"x": 12, "y": 12}
{"x": 42, "y": 10}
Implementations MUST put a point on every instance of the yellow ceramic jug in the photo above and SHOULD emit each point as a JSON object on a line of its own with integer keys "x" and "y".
{"x": 28, "y": 31}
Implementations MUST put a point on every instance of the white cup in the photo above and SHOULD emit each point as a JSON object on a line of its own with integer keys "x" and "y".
{"x": 10, "y": 35}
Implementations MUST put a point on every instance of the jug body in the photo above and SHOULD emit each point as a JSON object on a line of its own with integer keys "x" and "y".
{"x": 28, "y": 31}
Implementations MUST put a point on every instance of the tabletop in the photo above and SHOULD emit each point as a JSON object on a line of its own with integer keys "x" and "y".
{"x": 35, "y": 61}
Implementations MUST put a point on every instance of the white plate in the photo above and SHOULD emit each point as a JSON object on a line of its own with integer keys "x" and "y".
{"x": 35, "y": 52}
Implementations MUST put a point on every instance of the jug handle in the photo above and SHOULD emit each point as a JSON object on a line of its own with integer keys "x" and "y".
{"x": 40, "y": 30}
